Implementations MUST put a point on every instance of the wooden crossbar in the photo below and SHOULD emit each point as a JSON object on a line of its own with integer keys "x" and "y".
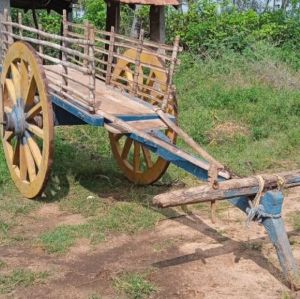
{"x": 227, "y": 189}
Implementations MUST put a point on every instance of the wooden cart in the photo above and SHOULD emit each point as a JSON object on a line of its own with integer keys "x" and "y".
{"x": 87, "y": 76}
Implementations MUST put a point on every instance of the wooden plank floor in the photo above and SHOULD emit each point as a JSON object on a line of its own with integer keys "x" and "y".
{"x": 109, "y": 99}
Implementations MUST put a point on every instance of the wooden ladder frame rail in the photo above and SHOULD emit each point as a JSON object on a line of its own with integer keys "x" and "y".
{"x": 16, "y": 31}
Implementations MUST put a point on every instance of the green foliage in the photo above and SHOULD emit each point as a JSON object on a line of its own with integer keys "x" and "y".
{"x": 95, "y": 11}
{"x": 134, "y": 285}
{"x": 121, "y": 217}
{"x": 203, "y": 29}
{"x": 51, "y": 22}
{"x": 243, "y": 108}
{"x": 20, "y": 278}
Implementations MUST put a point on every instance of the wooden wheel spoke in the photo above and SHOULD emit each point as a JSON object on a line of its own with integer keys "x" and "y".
{"x": 30, "y": 157}
{"x": 7, "y": 109}
{"x": 23, "y": 164}
{"x": 30, "y": 92}
{"x": 150, "y": 77}
{"x": 10, "y": 151}
{"x": 35, "y": 150}
{"x": 11, "y": 90}
{"x": 24, "y": 78}
{"x": 16, "y": 157}
{"x": 136, "y": 157}
{"x": 36, "y": 130}
{"x": 126, "y": 148}
{"x": 16, "y": 78}
{"x": 8, "y": 135}
{"x": 35, "y": 110}
{"x": 29, "y": 161}
{"x": 118, "y": 137}
{"x": 147, "y": 156}
{"x": 128, "y": 74}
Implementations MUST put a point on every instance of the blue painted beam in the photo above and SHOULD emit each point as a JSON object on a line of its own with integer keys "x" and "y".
{"x": 83, "y": 117}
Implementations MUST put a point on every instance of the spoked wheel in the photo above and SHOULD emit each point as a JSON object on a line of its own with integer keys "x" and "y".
{"x": 138, "y": 163}
{"x": 27, "y": 117}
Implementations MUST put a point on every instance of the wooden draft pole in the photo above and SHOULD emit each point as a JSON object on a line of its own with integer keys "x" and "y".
{"x": 227, "y": 189}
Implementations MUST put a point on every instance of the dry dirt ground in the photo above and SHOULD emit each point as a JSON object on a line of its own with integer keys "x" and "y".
{"x": 188, "y": 257}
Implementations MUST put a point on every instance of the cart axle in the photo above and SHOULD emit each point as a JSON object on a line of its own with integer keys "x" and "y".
{"x": 15, "y": 121}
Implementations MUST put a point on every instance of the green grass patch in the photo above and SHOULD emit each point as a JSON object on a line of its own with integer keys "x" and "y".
{"x": 243, "y": 108}
{"x": 20, "y": 278}
{"x": 134, "y": 285}
{"x": 122, "y": 217}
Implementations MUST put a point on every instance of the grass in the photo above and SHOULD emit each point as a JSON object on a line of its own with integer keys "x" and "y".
{"x": 134, "y": 285}
{"x": 242, "y": 90}
{"x": 122, "y": 217}
{"x": 20, "y": 278}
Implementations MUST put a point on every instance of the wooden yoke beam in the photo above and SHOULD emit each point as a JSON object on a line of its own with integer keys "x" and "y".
{"x": 227, "y": 189}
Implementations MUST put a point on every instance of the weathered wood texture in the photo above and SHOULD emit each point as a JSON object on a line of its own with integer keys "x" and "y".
{"x": 227, "y": 189}
{"x": 142, "y": 68}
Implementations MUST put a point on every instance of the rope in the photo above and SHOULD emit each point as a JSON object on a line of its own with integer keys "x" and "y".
{"x": 280, "y": 182}
{"x": 213, "y": 172}
{"x": 255, "y": 208}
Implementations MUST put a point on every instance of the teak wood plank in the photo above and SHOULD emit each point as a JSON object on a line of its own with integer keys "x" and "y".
{"x": 108, "y": 99}
{"x": 143, "y": 125}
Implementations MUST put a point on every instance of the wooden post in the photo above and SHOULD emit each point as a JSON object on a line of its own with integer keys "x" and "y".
{"x": 157, "y": 24}
{"x": 113, "y": 15}
{"x": 171, "y": 73}
{"x": 4, "y": 6}
{"x": 64, "y": 56}
{"x": 86, "y": 37}
{"x": 9, "y": 29}
{"x": 20, "y": 23}
{"x": 91, "y": 66}
{"x": 41, "y": 49}
{"x": 110, "y": 55}
{"x": 139, "y": 50}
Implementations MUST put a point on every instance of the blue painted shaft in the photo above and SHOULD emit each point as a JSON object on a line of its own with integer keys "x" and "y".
{"x": 277, "y": 233}
{"x": 272, "y": 202}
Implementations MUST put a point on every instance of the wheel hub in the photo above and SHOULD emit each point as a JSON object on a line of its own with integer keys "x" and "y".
{"x": 16, "y": 121}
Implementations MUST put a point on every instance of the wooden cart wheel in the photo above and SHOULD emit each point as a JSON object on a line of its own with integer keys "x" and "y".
{"x": 27, "y": 117}
{"x": 137, "y": 162}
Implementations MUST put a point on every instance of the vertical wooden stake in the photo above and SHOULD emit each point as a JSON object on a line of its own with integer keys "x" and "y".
{"x": 3, "y": 46}
{"x": 20, "y": 23}
{"x": 138, "y": 64}
{"x": 91, "y": 66}
{"x": 10, "y": 30}
{"x": 86, "y": 37}
{"x": 5, "y": 28}
{"x": 41, "y": 49}
{"x": 64, "y": 56}
{"x": 170, "y": 74}
{"x": 110, "y": 55}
